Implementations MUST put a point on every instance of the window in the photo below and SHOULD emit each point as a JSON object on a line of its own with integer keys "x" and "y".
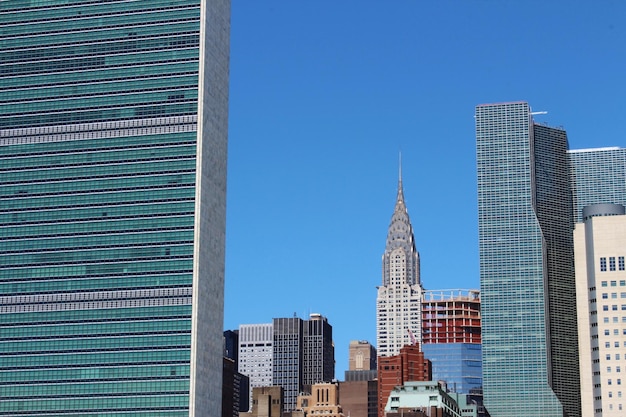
{"x": 620, "y": 264}
{"x": 604, "y": 283}
{"x": 613, "y": 283}
{"x": 614, "y": 294}
{"x": 612, "y": 263}
{"x": 605, "y": 296}
{"x": 605, "y": 308}
{"x": 617, "y": 357}
{"x": 614, "y": 307}
{"x": 618, "y": 369}
{"x": 602, "y": 264}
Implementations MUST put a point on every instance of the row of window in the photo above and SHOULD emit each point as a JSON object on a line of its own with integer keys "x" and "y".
{"x": 93, "y": 316}
{"x": 107, "y": 358}
{"x": 95, "y": 373}
{"x": 122, "y": 46}
{"x": 172, "y": 69}
{"x": 121, "y": 112}
{"x": 605, "y": 295}
{"x": 104, "y": 21}
{"x": 28, "y": 11}
{"x": 620, "y": 263}
{"x": 99, "y": 156}
{"x": 112, "y": 168}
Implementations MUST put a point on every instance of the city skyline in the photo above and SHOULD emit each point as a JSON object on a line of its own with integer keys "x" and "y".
{"x": 321, "y": 104}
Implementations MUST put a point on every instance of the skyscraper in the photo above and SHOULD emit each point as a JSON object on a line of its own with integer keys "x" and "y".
{"x": 256, "y": 350}
{"x": 600, "y": 243}
{"x": 399, "y": 300}
{"x": 287, "y": 359}
{"x": 113, "y": 133}
{"x": 318, "y": 360}
{"x": 598, "y": 176}
{"x": 525, "y": 211}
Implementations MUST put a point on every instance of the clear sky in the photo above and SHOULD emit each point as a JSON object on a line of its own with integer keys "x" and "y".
{"x": 325, "y": 94}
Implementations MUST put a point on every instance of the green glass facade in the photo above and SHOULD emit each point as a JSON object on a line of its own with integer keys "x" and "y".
{"x": 100, "y": 173}
{"x": 530, "y": 353}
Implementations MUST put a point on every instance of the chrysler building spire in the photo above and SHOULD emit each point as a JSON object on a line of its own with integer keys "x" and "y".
{"x": 399, "y": 301}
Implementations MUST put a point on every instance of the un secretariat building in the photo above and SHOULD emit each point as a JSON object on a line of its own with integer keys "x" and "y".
{"x": 113, "y": 132}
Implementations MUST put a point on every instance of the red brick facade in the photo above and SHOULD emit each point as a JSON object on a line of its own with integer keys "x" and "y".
{"x": 409, "y": 365}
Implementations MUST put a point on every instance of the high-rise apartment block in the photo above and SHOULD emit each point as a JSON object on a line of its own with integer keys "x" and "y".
{"x": 399, "y": 300}
{"x": 529, "y": 329}
{"x": 452, "y": 337}
{"x": 600, "y": 243}
{"x": 113, "y": 135}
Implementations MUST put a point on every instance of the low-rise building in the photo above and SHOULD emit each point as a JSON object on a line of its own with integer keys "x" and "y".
{"x": 266, "y": 402}
{"x": 322, "y": 401}
{"x": 421, "y": 399}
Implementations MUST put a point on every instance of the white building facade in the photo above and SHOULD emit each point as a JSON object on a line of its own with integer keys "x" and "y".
{"x": 399, "y": 300}
{"x": 600, "y": 253}
{"x": 256, "y": 343}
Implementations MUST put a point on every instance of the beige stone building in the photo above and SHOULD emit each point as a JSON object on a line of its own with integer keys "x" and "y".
{"x": 600, "y": 253}
{"x": 362, "y": 356}
{"x": 266, "y": 402}
{"x": 322, "y": 401}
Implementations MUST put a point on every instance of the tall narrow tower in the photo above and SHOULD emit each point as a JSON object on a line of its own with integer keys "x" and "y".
{"x": 527, "y": 281}
{"x": 113, "y": 137}
{"x": 399, "y": 301}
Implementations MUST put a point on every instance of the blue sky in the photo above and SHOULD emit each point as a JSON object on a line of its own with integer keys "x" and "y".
{"x": 325, "y": 94}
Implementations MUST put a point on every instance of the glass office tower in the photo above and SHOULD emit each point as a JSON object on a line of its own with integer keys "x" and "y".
{"x": 598, "y": 176}
{"x": 113, "y": 131}
{"x": 530, "y": 352}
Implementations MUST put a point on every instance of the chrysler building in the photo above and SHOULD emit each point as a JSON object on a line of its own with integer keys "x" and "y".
{"x": 399, "y": 301}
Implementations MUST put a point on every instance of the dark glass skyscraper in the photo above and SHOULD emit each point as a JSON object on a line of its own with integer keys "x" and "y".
{"x": 530, "y": 354}
{"x": 113, "y": 132}
{"x": 303, "y": 355}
